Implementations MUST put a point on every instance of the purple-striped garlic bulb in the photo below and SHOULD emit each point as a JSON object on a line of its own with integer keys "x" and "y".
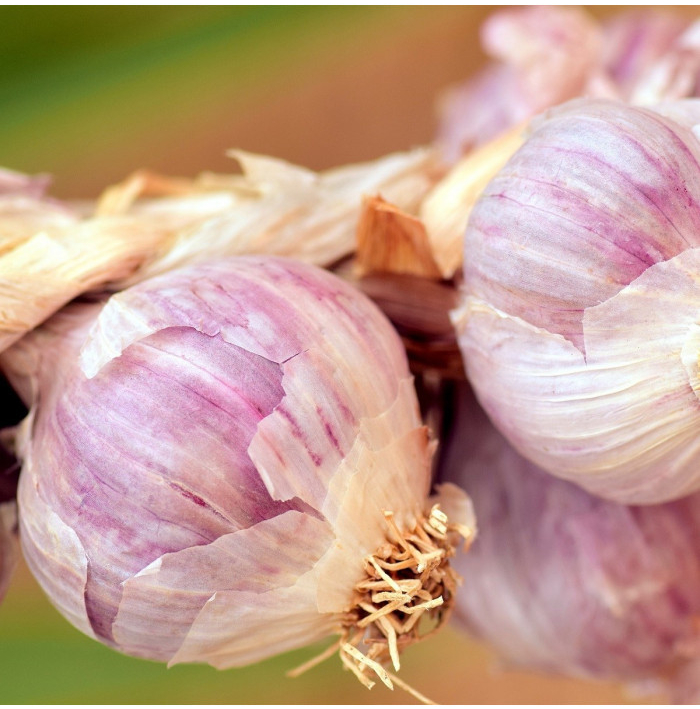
{"x": 578, "y": 320}
{"x": 545, "y": 55}
{"x": 227, "y": 461}
{"x": 562, "y": 581}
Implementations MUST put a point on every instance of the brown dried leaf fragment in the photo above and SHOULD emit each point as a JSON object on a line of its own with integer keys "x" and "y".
{"x": 392, "y": 241}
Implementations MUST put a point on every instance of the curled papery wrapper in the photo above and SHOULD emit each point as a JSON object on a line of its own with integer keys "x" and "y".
{"x": 578, "y": 322}
{"x": 150, "y": 225}
{"x": 544, "y": 56}
{"x": 212, "y": 459}
{"x": 562, "y": 581}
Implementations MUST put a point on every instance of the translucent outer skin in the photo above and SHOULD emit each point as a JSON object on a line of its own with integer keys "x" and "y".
{"x": 208, "y": 457}
{"x": 562, "y": 581}
{"x": 578, "y": 322}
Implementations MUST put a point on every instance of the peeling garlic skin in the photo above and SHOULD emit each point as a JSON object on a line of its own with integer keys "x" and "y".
{"x": 578, "y": 316}
{"x": 562, "y": 581}
{"x": 208, "y": 457}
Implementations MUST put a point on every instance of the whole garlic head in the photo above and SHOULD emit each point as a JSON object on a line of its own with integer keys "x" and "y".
{"x": 579, "y": 318}
{"x": 564, "y": 582}
{"x": 211, "y": 459}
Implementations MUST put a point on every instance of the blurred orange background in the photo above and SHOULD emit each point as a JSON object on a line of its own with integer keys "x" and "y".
{"x": 91, "y": 94}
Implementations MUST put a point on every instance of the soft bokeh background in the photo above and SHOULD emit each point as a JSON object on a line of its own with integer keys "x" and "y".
{"x": 91, "y": 94}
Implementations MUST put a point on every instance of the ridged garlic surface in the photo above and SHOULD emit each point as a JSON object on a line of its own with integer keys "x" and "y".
{"x": 561, "y": 581}
{"x": 209, "y": 458}
{"x": 578, "y": 320}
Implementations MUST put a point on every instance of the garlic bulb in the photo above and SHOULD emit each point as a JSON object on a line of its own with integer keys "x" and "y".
{"x": 546, "y": 55}
{"x": 224, "y": 462}
{"x": 578, "y": 322}
{"x": 562, "y": 581}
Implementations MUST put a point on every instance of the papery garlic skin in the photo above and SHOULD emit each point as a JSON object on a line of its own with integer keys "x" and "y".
{"x": 578, "y": 316}
{"x": 210, "y": 458}
{"x": 562, "y": 581}
{"x": 53, "y": 255}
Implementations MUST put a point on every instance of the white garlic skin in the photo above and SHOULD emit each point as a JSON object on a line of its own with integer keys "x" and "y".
{"x": 579, "y": 309}
{"x": 561, "y": 581}
{"x": 208, "y": 457}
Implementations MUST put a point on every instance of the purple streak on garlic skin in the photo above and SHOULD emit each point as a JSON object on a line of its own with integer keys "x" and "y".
{"x": 562, "y": 581}
{"x": 195, "y": 416}
{"x": 598, "y": 193}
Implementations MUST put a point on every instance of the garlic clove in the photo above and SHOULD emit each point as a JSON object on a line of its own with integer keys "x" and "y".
{"x": 544, "y": 56}
{"x": 553, "y": 49}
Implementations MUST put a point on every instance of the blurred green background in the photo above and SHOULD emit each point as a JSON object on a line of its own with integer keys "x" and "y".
{"x": 90, "y": 94}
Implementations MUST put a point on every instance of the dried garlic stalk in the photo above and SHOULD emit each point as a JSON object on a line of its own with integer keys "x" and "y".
{"x": 272, "y": 208}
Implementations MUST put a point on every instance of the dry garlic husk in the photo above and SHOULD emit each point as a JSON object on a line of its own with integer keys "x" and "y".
{"x": 562, "y": 581}
{"x": 578, "y": 322}
{"x": 226, "y": 462}
{"x": 150, "y": 224}
{"x": 544, "y": 56}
